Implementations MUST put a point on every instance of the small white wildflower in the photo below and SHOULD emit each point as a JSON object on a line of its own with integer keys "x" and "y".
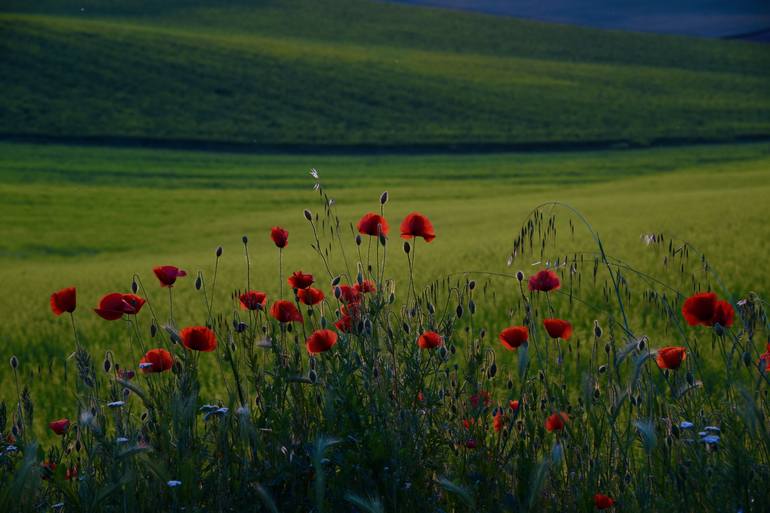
{"x": 121, "y": 439}
{"x": 223, "y": 410}
{"x": 173, "y": 483}
{"x": 314, "y": 173}
{"x": 116, "y": 404}
{"x": 58, "y": 505}
{"x": 86, "y": 418}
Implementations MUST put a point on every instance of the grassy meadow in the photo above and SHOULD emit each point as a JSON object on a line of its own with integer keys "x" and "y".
{"x": 352, "y": 73}
{"x": 92, "y": 217}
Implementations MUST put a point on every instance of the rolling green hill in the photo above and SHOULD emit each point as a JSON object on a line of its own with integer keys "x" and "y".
{"x": 362, "y": 73}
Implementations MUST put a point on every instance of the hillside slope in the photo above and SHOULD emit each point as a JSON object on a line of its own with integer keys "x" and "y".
{"x": 362, "y": 73}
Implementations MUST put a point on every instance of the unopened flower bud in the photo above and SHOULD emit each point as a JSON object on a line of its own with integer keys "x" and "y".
{"x": 384, "y": 198}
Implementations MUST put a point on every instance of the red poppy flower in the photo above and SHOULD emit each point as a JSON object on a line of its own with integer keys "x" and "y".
{"x": 558, "y": 328}
{"x": 365, "y": 287}
{"x": 602, "y": 501}
{"x": 420, "y": 396}
{"x": 59, "y": 426}
{"x": 280, "y": 236}
{"x": 348, "y": 294}
{"x": 670, "y": 357}
{"x": 699, "y": 308}
{"x": 544, "y": 281}
{"x": 198, "y": 338}
{"x": 300, "y": 281}
{"x": 513, "y": 404}
{"x": 114, "y": 306}
{"x": 320, "y": 341}
{"x": 344, "y": 324}
{"x": 482, "y": 396}
{"x": 417, "y": 225}
{"x": 373, "y": 224}
{"x": 310, "y": 296}
{"x": 167, "y": 274}
{"x": 157, "y": 360}
{"x": 556, "y": 421}
{"x": 724, "y": 314}
{"x": 765, "y": 358}
{"x": 64, "y": 300}
{"x": 253, "y": 300}
{"x": 430, "y": 340}
{"x": 135, "y": 302}
{"x": 500, "y": 421}
{"x": 71, "y": 473}
{"x": 285, "y": 311}
{"x": 469, "y": 423}
{"x": 514, "y": 336}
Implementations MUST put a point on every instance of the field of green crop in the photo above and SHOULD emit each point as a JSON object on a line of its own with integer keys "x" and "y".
{"x": 327, "y": 73}
{"x": 92, "y": 217}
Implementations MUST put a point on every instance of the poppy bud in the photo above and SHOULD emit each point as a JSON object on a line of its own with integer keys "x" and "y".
{"x": 360, "y": 278}
{"x": 472, "y": 284}
{"x": 153, "y": 329}
{"x": 107, "y": 364}
{"x": 219, "y": 251}
{"x": 311, "y": 362}
{"x": 492, "y": 370}
{"x": 383, "y": 240}
{"x": 323, "y": 322}
{"x": 746, "y": 359}
{"x": 690, "y": 379}
{"x": 431, "y": 308}
{"x": 607, "y": 348}
{"x": 602, "y": 369}
{"x": 442, "y": 352}
{"x": 407, "y": 248}
{"x": 541, "y": 375}
{"x": 245, "y": 239}
{"x": 78, "y": 445}
{"x": 308, "y": 215}
{"x": 597, "y": 330}
{"x": 452, "y": 349}
{"x": 126, "y": 392}
{"x": 241, "y": 327}
{"x": 336, "y": 281}
{"x": 312, "y": 376}
{"x": 337, "y": 292}
{"x": 134, "y": 286}
{"x": 472, "y": 306}
{"x": 520, "y": 276}
{"x": 384, "y": 198}
{"x": 358, "y": 240}
{"x": 482, "y": 333}
{"x": 510, "y": 384}
{"x": 391, "y": 298}
{"x": 405, "y": 326}
{"x": 198, "y": 283}
{"x": 14, "y": 362}
{"x": 459, "y": 311}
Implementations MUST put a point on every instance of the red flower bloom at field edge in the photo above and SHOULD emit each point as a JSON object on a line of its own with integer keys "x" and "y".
{"x": 64, "y": 300}
{"x": 299, "y": 280}
{"x": 671, "y": 357}
{"x": 198, "y": 338}
{"x": 114, "y": 306}
{"x": 156, "y": 360}
{"x": 310, "y": 296}
{"x": 513, "y": 337}
{"x": 556, "y": 421}
{"x": 253, "y": 300}
{"x": 558, "y": 328}
{"x": 373, "y": 224}
{"x": 320, "y": 341}
{"x": 280, "y": 237}
{"x": 430, "y": 340}
{"x": 284, "y": 311}
{"x": 765, "y": 358}
{"x": 417, "y": 225}
{"x": 167, "y": 274}
{"x": 59, "y": 426}
{"x": 544, "y": 281}
{"x": 365, "y": 287}
{"x": 602, "y": 501}
{"x": 724, "y": 314}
